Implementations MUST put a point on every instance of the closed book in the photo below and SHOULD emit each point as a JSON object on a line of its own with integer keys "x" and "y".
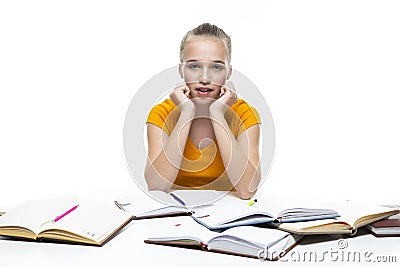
{"x": 389, "y": 226}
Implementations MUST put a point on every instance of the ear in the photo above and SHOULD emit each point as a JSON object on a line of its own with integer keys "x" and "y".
{"x": 229, "y": 72}
{"x": 180, "y": 71}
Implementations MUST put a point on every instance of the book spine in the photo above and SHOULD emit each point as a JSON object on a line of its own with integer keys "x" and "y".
{"x": 204, "y": 246}
{"x": 353, "y": 231}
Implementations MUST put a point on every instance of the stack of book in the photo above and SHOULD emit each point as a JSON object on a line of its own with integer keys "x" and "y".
{"x": 260, "y": 228}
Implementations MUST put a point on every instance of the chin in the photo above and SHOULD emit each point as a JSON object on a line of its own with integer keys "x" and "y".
{"x": 203, "y": 100}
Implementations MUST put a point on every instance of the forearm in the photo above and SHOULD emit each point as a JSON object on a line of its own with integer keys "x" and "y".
{"x": 244, "y": 174}
{"x": 162, "y": 171}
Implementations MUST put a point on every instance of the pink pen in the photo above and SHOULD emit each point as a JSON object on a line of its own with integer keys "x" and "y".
{"x": 65, "y": 214}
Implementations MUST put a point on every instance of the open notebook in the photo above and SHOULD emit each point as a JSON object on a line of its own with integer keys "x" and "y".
{"x": 231, "y": 211}
{"x": 65, "y": 219}
{"x": 247, "y": 241}
{"x": 155, "y": 204}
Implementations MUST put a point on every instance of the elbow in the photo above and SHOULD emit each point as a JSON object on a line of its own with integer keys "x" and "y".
{"x": 246, "y": 194}
{"x": 248, "y": 190}
{"x": 152, "y": 184}
{"x": 155, "y": 187}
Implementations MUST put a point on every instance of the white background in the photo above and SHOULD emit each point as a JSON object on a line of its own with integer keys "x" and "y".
{"x": 329, "y": 71}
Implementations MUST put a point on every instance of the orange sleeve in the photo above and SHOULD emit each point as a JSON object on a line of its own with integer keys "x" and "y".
{"x": 247, "y": 114}
{"x": 159, "y": 116}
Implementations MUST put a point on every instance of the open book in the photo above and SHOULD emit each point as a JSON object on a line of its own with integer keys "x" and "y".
{"x": 248, "y": 241}
{"x": 64, "y": 220}
{"x": 353, "y": 215}
{"x": 231, "y": 211}
{"x": 155, "y": 204}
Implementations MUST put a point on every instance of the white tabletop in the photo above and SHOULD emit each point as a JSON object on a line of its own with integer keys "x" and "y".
{"x": 128, "y": 249}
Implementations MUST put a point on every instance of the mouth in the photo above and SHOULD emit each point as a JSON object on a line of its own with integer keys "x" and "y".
{"x": 203, "y": 91}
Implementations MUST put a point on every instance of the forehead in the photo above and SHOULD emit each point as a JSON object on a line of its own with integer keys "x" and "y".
{"x": 204, "y": 49}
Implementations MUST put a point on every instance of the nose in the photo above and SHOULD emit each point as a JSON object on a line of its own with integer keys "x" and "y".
{"x": 205, "y": 76}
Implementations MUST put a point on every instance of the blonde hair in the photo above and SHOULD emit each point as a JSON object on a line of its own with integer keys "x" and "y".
{"x": 208, "y": 30}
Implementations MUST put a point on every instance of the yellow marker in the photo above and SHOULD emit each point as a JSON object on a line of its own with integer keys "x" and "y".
{"x": 252, "y": 202}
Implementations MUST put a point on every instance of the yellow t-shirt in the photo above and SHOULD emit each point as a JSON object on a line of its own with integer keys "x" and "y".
{"x": 203, "y": 168}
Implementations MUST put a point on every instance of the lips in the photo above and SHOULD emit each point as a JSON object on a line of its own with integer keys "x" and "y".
{"x": 203, "y": 91}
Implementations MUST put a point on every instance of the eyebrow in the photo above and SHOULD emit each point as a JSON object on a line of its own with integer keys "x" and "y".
{"x": 215, "y": 61}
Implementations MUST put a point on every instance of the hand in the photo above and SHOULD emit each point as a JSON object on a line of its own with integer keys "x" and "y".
{"x": 228, "y": 98}
{"x": 181, "y": 97}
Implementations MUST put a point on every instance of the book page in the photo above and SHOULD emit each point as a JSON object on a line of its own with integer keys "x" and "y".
{"x": 187, "y": 227}
{"x": 231, "y": 208}
{"x": 280, "y": 249}
{"x": 278, "y": 205}
{"x": 196, "y": 198}
{"x": 32, "y": 214}
{"x": 324, "y": 226}
{"x": 252, "y": 241}
{"x": 265, "y": 237}
{"x": 247, "y": 240}
{"x": 160, "y": 203}
{"x": 92, "y": 220}
{"x": 143, "y": 203}
{"x": 178, "y": 228}
{"x": 228, "y": 209}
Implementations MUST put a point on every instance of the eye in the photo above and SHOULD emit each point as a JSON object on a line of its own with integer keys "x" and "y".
{"x": 194, "y": 66}
{"x": 218, "y": 67}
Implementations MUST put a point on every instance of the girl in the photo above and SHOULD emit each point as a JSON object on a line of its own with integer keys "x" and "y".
{"x": 203, "y": 137}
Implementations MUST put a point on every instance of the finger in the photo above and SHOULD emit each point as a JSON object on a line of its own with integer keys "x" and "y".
{"x": 180, "y": 85}
{"x": 229, "y": 93}
{"x": 223, "y": 91}
{"x": 226, "y": 90}
{"x": 229, "y": 85}
{"x": 183, "y": 88}
{"x": 234, "y": 94}
{"x": 187, "y": 92}
{"x": 180, "y": 90}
